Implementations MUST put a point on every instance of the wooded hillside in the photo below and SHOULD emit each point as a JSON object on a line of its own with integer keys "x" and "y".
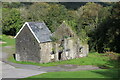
{"x": 97, "y": 24}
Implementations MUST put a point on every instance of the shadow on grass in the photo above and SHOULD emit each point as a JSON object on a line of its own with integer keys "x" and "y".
{"x": 114, "y": 69}
{"x": 109, "y": 73}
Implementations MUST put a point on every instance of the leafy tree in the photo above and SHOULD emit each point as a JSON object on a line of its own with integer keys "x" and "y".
{"x": 88, "y": 16}
{"x": 36, "y": 12}
{"x": 11, "y": 21}
{"x": 57, "y": 14}
{"x": 107, "y": 35}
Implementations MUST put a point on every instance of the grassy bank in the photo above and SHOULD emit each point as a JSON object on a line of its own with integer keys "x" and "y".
{"x": 8, "y": 40}
{"x": 96, "y": 59}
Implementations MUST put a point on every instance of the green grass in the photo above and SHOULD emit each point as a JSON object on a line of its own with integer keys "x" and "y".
{"x": 101, "y": 73}
{"x": 10, "y": 41}
{"x": 91, "y": 59}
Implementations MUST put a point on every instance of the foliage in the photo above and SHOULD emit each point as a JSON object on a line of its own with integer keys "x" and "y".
{"x": 0, "y": 37}
{"x": 11, "y": 4}
{"x": 11, "y": 21}
{"x": 51, "y": 14}
{"x": 54, "y": 38}
{"x": 89, "y": 18}
{"x": 57, "y": 14}
{"x": 94, "y": 23}
{"x": 107, "y": 35}
{"x": 35, "y": 12}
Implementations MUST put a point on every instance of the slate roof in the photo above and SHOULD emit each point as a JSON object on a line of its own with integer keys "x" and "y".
{"x": 41, "y": 31}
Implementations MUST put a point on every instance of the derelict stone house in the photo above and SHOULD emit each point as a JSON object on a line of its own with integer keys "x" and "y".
{"x": 68, "y": 45}
{"x": 36, "y": 43}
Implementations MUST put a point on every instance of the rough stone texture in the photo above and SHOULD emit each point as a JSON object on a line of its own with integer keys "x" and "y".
{"x": 46, "y": 49}
{"x": 56, "y": 54}
{"x": 85, "y": 50}
{"x": 27, "y": 47}
{"x": 71, "y": 48}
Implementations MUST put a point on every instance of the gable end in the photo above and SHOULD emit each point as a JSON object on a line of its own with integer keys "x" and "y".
{"x": 26, "y": 23}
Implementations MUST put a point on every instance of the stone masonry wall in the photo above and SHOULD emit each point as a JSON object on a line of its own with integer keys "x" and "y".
{"x": 27, "y": 48}
{"x": 71, "y": 49}
{"x": 45, "y": 52}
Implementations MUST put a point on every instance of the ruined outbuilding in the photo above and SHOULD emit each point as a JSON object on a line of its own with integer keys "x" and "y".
{"x": 36, "y": 43}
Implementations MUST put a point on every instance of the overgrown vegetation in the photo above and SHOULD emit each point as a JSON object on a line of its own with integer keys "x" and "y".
{"x": 94, "y": 23}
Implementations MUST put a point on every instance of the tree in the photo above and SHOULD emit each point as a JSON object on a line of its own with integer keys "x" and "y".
{"x": 107, "y": 35}
{"x": 57, "y": 14}
{"x": 88, "y": 16}
{"x": 36, "y": 12}
{"x": 11, "y": 21}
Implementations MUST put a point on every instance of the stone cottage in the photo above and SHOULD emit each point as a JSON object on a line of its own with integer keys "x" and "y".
{"x": 36, "y": 43}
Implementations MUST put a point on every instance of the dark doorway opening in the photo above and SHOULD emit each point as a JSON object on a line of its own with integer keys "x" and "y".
{"x": 14, "y": 56}
{"x": 60, "y": 55}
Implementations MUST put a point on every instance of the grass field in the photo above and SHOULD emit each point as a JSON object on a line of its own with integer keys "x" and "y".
{"x": 101, "y": 73}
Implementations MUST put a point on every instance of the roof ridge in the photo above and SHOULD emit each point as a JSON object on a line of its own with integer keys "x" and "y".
{"x": 41, "y": 35}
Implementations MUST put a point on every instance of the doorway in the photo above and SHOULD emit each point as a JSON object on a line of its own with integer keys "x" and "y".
{"x": 59, "y": 55}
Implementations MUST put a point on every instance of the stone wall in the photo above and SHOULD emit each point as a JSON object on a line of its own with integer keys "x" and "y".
{"x": 45, "y": 52}
{"x": 85, "y": 50}
{"x": 27, "y": 48}
{"x": 72, "y": 48}
{"x": 69, "y": 51}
